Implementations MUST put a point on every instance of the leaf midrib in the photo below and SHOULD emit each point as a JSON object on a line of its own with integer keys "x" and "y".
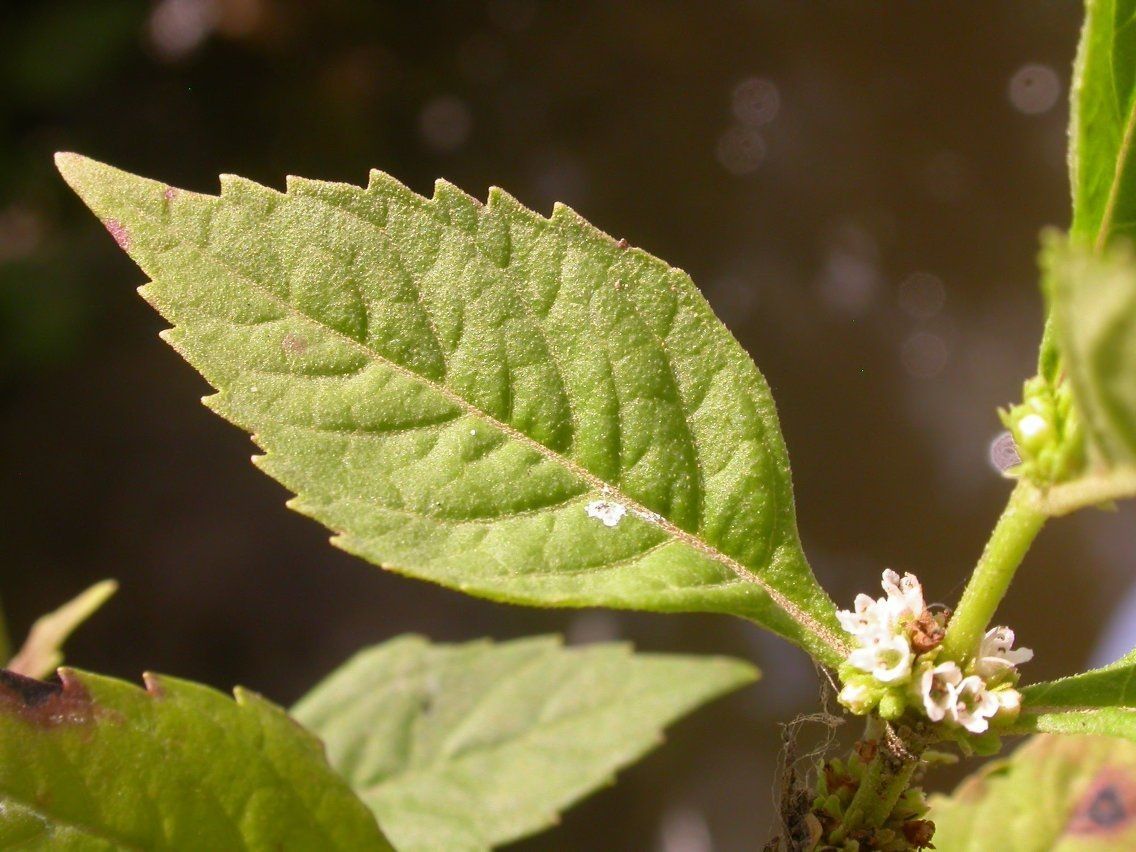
{"x": 538, "y": 325}
{"x": 1118, "y": 173}
{"x": 1122, "y": 154}
{"x": 599, "y": 485}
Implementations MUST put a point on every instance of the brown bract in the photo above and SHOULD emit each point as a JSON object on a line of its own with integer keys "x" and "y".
{"x": 927, "y": 631}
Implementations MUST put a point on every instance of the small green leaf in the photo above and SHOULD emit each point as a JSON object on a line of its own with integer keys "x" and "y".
{"x": 100, "y": 764}
{"x": 1103, "y": 124}
{"x": 1093, "y": 299}
{"x": 42, "y": 651}
{"x": 1066, "y": 794}
{"x": 1102, "y": 701}
{"x": 1110, "y": 686}
{"x": 517, "y": 407}
{"x": 463, "y": 747}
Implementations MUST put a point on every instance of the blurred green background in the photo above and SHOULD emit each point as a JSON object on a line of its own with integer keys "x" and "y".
{"x": 857, "y": 188}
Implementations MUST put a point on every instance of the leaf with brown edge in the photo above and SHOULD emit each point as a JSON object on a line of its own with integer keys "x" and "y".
{"x": 92, "y": 762}
{"x": 1065, "y": 794}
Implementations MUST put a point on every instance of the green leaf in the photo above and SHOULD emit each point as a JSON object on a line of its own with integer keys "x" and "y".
{"x": 42, "y": 651}
{"x": 1113, "y": 685}
{"x": 1103, "y": 124}
{"x": 1093, "y": 299}
{"x": 463, "y": 747}
{"x": 100, "y": 764}
{"x": 517, "y": 407}
{"x": 1066, "y": 794}
{"x": 1102, "y": 701}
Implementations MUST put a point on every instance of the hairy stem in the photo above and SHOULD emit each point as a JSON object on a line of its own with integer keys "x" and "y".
{"x": 885, "y": 779}
{"x": 1020, "y": 523}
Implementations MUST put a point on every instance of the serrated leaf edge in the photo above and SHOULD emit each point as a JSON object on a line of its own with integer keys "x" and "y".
{"x": 66, "y": 162}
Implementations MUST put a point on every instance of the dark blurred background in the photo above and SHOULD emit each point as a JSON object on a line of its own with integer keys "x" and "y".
{"x": 857, "y": 187}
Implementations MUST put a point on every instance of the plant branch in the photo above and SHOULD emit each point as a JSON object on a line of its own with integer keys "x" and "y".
{"x": 1015, "y": 531}
{"x": 886, "y": 778}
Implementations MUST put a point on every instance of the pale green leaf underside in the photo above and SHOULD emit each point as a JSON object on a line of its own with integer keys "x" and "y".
{"x": 1066, "y": 794}
{"x": 1103, "y": 123}
{"x": 1093, "y": 297}
{"x": 464, "y": 747}
{"x": 102, "y": 764}
{"x": 450, "y": 386}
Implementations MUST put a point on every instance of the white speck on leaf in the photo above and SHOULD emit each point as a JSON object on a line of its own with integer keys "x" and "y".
{"x": 649, "y": 517}
{"x": 607, "y": 511}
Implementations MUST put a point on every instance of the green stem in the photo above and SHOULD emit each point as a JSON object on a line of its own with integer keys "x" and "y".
{"x": 1020, "y": 523}
{"x": 885, "y": 779}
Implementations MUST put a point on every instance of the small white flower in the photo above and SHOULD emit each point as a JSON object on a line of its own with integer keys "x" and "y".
{"x": 904, "y": 595}
{"x": 888, "y": 659}
{"x": 995, "y": 656}
{"x": 938, "y": 687}
{"x": 868, "y": 620}
{"x": 974, "y": 705}
{"x": 857, "y": 697}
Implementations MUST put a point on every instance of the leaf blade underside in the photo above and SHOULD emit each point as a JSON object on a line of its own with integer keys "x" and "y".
{"x": 462, "y": 392}
{"x": 465, "y": 747}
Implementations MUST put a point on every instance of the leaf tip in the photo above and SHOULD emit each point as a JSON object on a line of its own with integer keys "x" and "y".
{"x": 103, "y": 590}
{"x": 79, "y": 172}
{"x": 75, "y": 169}
{"x": 65, "y": 161}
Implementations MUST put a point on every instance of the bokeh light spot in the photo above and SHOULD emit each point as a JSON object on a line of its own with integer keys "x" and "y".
{"x": 755, "y": 101}
{"x": 1003, "y": 452}
{"x": 177, "y": 27}
{"x": 1034, "y": 89}
{"x": 445, "y": 123}
{"x": 922, "y": 295}
{"x": 924, "y": 354}
{"x": 740, "y": 150}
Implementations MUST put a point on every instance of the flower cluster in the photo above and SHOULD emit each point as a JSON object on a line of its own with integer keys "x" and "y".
{"x": 1046, "y": 433}
{"x": 895, "y": 663}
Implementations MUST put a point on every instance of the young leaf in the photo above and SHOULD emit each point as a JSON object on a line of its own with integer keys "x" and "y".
{"x": 517, "y": 407}
{"x": 97, "y": 763}
{"x": 1093, "y": 297}
{"x": 42, "y": 651}
{"x": 1103, "y": 124}
{"x": 1102, "y": 701}
{"x": 463, "y": 747}
{"x": 1071, "y": 794}
{"x": 1109, "y": 686}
